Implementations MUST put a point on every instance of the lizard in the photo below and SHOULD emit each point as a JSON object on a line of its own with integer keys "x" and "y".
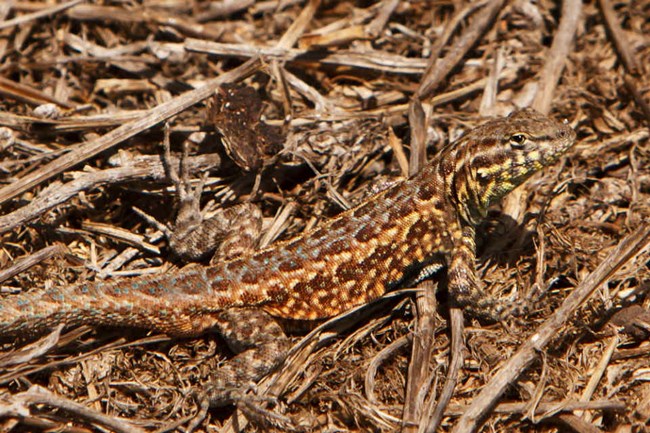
{"x": 396, "y": 238}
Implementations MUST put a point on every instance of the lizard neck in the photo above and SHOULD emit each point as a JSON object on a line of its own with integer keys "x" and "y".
{"x": 459, "y": 184}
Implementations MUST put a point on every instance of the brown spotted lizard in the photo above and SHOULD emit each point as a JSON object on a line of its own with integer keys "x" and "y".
{"x": 394, "y": 239}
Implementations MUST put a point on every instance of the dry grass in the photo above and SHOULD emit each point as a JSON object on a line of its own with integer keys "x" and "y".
{"x": 85, "y": 89}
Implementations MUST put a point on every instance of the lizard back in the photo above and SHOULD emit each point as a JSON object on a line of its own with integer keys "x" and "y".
{"x": 351, "y": 259}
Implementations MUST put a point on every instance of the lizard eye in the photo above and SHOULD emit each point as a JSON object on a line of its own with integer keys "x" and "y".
{"x": 482, "y": 176}
{"x": 518, "y": 140}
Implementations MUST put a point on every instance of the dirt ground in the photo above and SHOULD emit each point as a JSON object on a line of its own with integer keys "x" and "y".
{"x": 319, "y": 104}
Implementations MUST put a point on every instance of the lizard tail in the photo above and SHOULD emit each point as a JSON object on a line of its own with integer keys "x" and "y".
{"x": 176, "y": 304}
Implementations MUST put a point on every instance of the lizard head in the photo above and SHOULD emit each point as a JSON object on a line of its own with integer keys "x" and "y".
{"x": 496, "y": 157}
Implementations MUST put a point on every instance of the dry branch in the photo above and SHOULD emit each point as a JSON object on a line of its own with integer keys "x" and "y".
{"x": 632, "y": 245}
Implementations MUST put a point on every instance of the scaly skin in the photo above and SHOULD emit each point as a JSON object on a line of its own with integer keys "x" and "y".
{"x": 398, "y": 237}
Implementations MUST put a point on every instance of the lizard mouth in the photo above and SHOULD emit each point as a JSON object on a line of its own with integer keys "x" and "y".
{"x": 567, "y": 137}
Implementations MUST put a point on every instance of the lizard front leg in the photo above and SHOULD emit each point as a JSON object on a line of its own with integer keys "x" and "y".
{"x": 464, "y": 285}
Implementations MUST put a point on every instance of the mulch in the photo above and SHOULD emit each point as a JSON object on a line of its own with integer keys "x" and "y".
{"x": 329, "y": 102}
